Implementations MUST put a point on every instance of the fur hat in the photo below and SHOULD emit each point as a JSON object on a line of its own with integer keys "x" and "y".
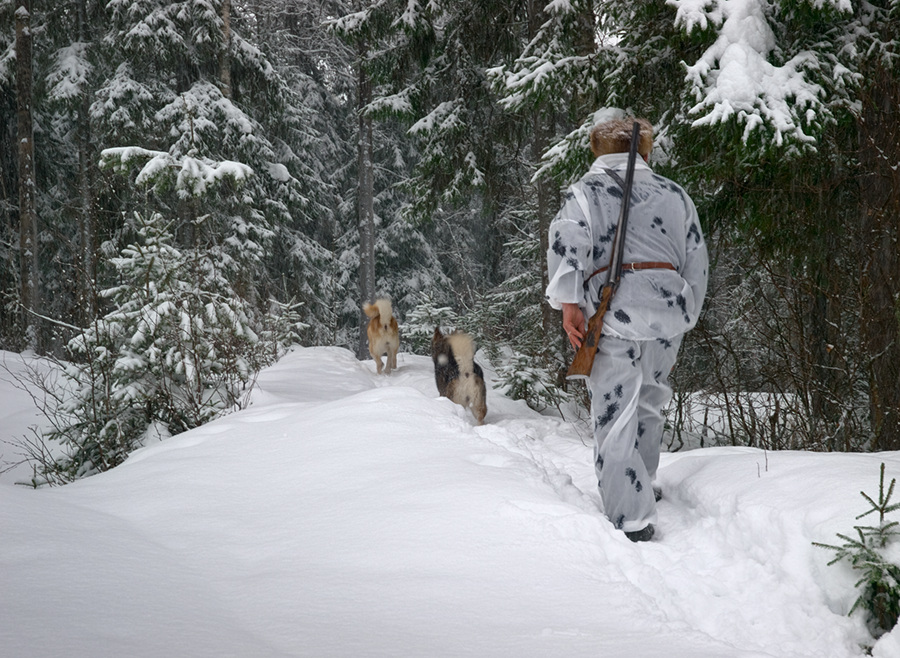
{"x": 614, "y": 136}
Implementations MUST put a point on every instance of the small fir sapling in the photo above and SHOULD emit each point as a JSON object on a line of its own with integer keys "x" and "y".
{"x": 418, "y": 329}
{"x": 880, "y": 583}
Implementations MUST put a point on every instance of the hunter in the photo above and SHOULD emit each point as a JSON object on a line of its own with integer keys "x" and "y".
{"x": 664, "y": 264}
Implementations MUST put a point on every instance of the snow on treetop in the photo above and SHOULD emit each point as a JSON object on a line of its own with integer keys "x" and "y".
{"x": 71, "y": 71}
{"x": 735, "y": 77}
{"x": 193, "y": 175}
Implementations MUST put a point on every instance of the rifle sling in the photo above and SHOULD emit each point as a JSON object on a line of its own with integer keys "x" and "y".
{"x": 615, "y": 177}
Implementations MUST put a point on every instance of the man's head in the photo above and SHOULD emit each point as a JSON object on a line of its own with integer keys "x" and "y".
{"x": 614, "y": 136}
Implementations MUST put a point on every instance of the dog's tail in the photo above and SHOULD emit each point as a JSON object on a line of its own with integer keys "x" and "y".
{"x": 381, "y": 307}
{"x": 463, "y": 352}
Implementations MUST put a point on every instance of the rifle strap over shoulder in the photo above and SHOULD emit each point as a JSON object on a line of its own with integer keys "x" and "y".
{"x": 615, "y": 177}
{"x": 581, "y": 199}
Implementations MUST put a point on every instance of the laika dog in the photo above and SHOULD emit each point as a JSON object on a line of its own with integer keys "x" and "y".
{"x": 383, "y": 333}
{"x": 456, "y": 374}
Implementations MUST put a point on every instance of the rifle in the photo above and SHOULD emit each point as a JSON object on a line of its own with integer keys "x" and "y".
{"x": 584, "y": 357}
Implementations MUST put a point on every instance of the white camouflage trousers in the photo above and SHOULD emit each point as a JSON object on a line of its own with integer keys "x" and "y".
{"x": 629, "y": 386}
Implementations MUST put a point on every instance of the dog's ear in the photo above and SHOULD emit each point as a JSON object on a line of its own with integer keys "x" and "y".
{"x": 437, "y": 333}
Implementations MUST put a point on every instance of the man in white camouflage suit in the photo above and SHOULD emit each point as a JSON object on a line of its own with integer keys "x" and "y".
{"x": 663, "y": 285}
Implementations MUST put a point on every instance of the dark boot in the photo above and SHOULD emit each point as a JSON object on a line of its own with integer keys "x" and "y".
{"x": 642, "y": 535}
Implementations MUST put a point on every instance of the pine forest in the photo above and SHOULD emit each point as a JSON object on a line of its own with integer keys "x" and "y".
{"x": 189, "y": 187}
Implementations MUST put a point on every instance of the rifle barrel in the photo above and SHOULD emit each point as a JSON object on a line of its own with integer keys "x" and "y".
{"x": 614, "y": 273}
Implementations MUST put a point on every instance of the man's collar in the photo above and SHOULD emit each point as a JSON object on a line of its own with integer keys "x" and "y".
{"x": 616, "y": 161}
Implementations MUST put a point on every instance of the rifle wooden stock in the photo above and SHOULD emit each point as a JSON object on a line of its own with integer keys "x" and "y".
{"x": 584, "y": 357}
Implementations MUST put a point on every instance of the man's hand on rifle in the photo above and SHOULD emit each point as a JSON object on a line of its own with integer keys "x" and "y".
{"x": 573, "y": 324}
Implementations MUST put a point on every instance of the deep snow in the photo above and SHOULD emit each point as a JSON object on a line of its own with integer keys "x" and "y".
{"x": 349, "y": 514}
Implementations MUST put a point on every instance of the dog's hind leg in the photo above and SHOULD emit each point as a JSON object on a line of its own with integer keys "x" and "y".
{"x": 378, "y": 365}
{"x": 391, "y": 359}
{"x": 479, "y": 404}
{"x": 479, "y": 410}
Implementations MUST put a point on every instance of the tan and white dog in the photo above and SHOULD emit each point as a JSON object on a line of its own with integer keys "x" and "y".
{"x": 383, "y": 333}
{"x": 456, "y": 374}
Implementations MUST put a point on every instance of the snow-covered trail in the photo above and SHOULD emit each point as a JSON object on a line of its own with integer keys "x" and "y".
{"x": 349, "y": 514}
{"x": 709, "y": 551}
{"x": 463, "y": 540}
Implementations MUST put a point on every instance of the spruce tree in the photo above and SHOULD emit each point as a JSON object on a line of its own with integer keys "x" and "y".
{"x": 393, "y": 250}
{"x": 168, "y": 94}
{"x": 870, "y": 553}
{"x": 177, "y": 350}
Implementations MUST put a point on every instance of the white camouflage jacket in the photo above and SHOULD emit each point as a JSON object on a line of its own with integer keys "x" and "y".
{"x": 662, "y": 227}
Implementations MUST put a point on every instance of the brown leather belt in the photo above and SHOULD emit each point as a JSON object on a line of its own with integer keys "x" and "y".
{"x": 634, "y": 267}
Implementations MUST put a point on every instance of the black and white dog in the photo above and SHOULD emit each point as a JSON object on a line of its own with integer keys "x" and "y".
{"x": 456, "y": 374}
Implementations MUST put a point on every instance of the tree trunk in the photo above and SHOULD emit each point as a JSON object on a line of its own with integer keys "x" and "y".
{"x": 225, "y": 52}
{"x": 365, "y": 198}
{"x": 546, "y": 201}
{"x": 86, "y": 302}
{"x": 30, "y": 295}
{"x": 880, "y": 253}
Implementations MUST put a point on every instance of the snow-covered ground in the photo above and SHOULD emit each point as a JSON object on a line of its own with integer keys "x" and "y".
{"x": 349, "y": 514}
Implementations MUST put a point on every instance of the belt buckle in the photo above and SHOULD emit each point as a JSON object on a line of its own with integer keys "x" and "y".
{"x": 629, "y": 267}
